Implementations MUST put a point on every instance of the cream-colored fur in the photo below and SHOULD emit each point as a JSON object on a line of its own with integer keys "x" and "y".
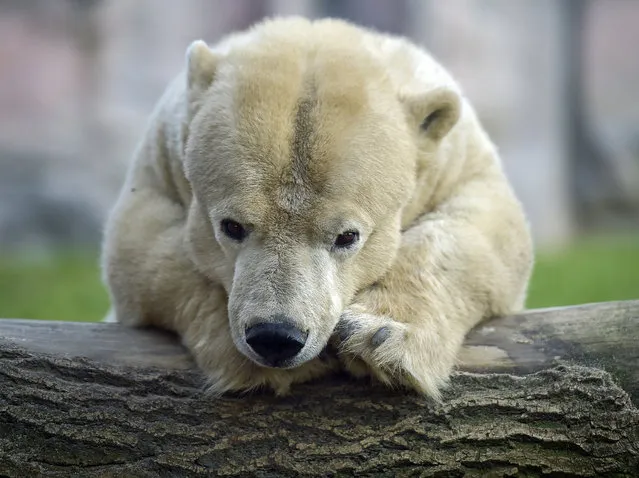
{"x": 301, "y": 130}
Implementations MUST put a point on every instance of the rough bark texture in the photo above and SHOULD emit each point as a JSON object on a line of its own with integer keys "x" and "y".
{"x": 101, "y": 400}
{"x": 603, "y": 335}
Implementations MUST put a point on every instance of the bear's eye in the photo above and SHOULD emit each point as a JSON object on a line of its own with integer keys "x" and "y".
{"x": 233, "y": 229}
{"x": 346, "y": 239}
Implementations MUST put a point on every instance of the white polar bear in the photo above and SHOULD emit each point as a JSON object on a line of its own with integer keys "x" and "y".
{"x": 313, "y": 183}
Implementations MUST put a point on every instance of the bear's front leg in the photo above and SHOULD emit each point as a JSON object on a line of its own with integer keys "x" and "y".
{"x": 399, "y": 340}
{"x": 467, "y": 260}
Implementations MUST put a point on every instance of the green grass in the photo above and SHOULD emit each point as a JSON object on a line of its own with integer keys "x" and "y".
{"x": 592, "y": 270}
{"x": 68, "y": 286}
{"x": 64, "y": 287}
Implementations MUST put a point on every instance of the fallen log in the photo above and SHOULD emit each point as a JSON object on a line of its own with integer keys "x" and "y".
{"x": 546, "y": 392}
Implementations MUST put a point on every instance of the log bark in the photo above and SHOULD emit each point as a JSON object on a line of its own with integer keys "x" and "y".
{"x": 547, "y": 392}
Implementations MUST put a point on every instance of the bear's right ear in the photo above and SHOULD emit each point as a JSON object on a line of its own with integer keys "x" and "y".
{"x": 201, "y": 64}
{"x": 434, "y": 112}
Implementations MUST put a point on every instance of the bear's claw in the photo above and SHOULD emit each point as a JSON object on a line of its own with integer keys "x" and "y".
{"x": 380, "y": 337}
{"x": 346, "y": 328}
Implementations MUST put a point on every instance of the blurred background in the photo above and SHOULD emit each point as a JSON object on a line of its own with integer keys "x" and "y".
{"x": 556, "y": 83}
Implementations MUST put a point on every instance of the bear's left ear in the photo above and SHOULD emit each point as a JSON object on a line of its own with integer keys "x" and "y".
{"x": 201, "y": 64}
{"x": 434, "y": 112}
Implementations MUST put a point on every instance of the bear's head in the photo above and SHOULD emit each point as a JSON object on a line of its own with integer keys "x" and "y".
{"x": 301, "y": 159}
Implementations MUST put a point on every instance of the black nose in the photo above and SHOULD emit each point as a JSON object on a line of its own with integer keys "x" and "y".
{"x": 275, "y": 342}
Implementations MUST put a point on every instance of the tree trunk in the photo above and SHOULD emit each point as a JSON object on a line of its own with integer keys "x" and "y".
{"x": 595, "y": 185}
{"x": 102, "y": 400}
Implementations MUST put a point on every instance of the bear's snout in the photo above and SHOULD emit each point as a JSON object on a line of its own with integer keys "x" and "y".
{"x": 275, "y": 342}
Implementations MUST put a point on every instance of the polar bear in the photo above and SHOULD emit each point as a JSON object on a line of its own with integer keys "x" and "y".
{"x": 312, "y": 196}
